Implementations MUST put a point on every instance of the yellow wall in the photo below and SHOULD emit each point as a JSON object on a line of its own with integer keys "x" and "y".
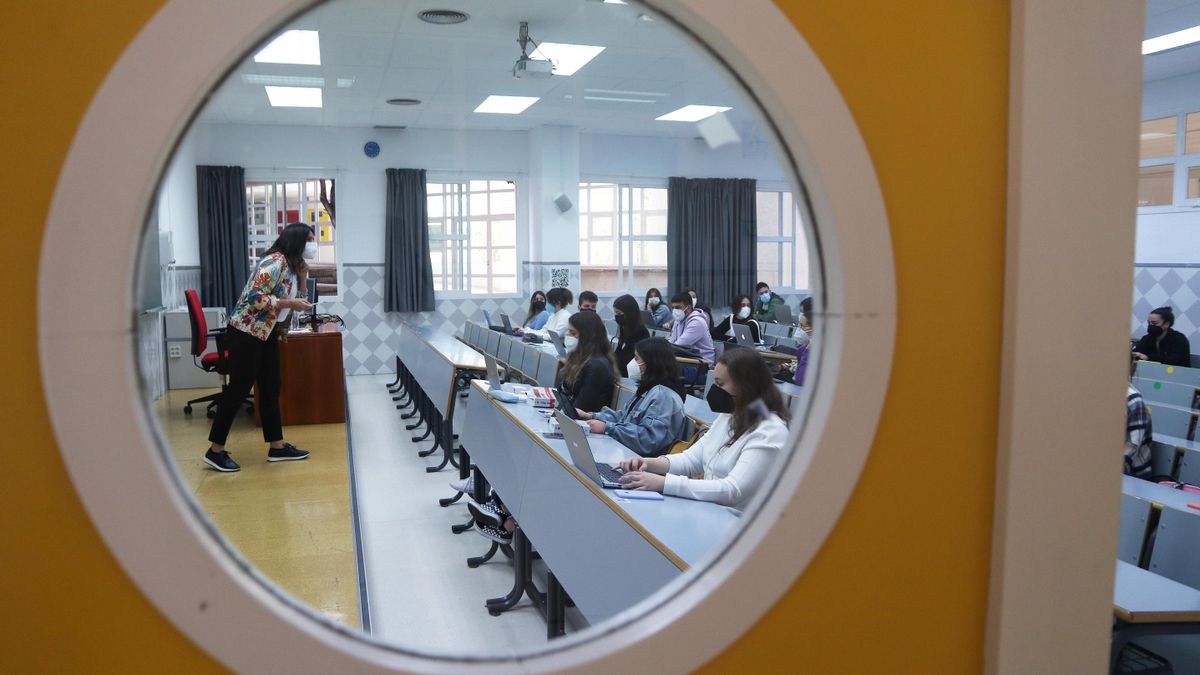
{"x": 902, "y": 583}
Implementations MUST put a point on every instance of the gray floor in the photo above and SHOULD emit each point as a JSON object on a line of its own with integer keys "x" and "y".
{"x": 422, "y": 594}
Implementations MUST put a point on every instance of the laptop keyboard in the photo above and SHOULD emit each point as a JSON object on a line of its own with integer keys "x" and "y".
{"x": 608, "y": 473}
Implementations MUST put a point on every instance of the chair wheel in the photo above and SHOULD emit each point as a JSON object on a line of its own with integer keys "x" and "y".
{"x": 212, "y": 414}
{"x": 187, "y": 410}
{"x": 495, "y": 612}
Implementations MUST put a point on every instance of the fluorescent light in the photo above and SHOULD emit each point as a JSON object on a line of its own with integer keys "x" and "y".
{"x": 301, "y": 47}
{"x": 294, "y": 97}
{"x": 567, "y": 58}
{"x": 1171, "y": 40}
{"x": 506, "y": 105}
{"x": 283, "y": 80}
{"x": 627, "y": 92}
{"x": 692, "y": 113}
{"x": 614, "y": 2}
{"x": 616, "y": 99}
{"x": 345, "y": 82}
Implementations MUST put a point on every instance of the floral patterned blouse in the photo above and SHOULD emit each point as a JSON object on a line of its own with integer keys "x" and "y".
{"x": 258, "y": 307}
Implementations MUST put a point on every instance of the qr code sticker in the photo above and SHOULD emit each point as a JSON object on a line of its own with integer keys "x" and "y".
{"x": 560, "y": 277}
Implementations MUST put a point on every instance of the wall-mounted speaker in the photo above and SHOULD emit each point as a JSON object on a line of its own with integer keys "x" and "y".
{"x": 563, "y": 202}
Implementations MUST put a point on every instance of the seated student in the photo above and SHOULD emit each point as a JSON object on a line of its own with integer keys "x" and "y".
{"x": 1162, "y": 343}
{"x": 658, "y": 309}
{"x": 736, "y": 455}
{"x": 630, "y": 330}
{"x": 804, "y": 323}
{"x": 588, "y": 301}
{"x": 589, "y": 372}
{"x": 538, "y": 314}
{"x": 560, "y": 300}
{"x": 767, "y": 302}
{"x": 690, "y": 326}
{"x": 1138, "y": 431}
{"x": 802, "y": 358}
{"x": 742, "y": 306}
{"x": 653, "y": 420}
{"x": 703, "y": 308}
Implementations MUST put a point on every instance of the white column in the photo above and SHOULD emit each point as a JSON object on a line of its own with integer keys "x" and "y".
{"x": 553, "y": 234}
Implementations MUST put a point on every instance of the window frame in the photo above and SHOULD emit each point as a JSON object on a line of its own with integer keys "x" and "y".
{"x": 520, "y": 217}
{"x": 622, "y": 241}
{"x": 253, "y": 176}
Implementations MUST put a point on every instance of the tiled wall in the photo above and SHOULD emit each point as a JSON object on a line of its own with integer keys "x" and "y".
{"x": 1174, "y": 285}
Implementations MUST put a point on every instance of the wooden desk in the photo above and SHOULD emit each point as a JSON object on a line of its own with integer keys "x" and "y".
{"x": 313, "y": 383}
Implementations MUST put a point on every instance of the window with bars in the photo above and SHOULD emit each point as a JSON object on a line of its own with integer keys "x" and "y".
{"x": 782, "y": 248}
{"x": 473, "y": 236}
{"x": 272, "y": 204}
{"x": 622, "y": 236}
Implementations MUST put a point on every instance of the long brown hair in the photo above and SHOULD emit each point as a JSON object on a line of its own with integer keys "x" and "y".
{"x": 593, "y": 341}
{"x": 532, "y": 312}
{"x": 752, "y": 378}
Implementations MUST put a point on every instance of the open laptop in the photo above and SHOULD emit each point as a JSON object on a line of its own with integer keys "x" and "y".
{"x": 602, "y": 475}
{"x": 741, "y": 334}
{"x": 508, "y": 329}
{"x": 493, "y": 371}
{"x": 487, "y": 318}
{"x": 557, "y": 341}
{"x": 783, "y": 315}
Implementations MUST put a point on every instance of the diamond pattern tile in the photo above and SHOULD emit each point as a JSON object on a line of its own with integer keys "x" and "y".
{"x": 1178, "y": 287}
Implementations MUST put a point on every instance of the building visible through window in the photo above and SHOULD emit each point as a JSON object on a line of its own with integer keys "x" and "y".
{"x": 270, "y": 205}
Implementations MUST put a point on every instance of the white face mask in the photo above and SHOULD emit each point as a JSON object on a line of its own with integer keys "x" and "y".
{"x": 570, "y": 342}
{"x": 695, "y": 299}
{"x": 678, "y": 314}
{"x": 654, "y": 301}
{"x": 310, "y": 250}
{"x": 744, "y": 313}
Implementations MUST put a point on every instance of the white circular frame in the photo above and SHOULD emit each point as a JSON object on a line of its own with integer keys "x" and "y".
{"x": 107, "y": 182}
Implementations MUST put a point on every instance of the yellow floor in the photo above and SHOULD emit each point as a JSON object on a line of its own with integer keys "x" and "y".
{"x": 290, "y": 519}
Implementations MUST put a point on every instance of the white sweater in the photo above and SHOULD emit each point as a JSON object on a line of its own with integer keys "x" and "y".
{"x": 557, "y": 323}
{"x": 731, "y": 475}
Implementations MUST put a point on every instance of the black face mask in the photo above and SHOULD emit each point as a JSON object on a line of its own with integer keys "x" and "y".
{"x": 719, "y": 400}
{"x": 538, "y": 305}
{"x": 1154, "y": 331}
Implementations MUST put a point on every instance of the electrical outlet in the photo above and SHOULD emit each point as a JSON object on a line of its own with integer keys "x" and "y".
{"x": 175, "y": 351}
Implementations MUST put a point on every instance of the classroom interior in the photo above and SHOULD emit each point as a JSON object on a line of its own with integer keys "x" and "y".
{"x": 570, "y": 190}
{"x": 325, "y": 533}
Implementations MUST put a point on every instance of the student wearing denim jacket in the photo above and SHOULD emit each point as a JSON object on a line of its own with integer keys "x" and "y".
{"x": 653, "y": 420}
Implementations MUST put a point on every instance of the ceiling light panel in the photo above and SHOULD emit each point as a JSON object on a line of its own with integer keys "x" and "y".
{"x": 506, "y": 105}
{"x": 1162, "y": 43}
{"x": 567, "y": 58}
{"x": 283, "y": 80}
{"x": 299, "y": 47}
{"x": 294, "y": 97}
{"x": 692, "y": 113}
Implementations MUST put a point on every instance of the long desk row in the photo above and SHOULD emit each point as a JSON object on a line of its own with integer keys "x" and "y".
{"x": 608, "y": 553}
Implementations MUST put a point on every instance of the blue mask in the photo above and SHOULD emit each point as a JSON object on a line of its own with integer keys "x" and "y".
{"x": 765, "y": 297}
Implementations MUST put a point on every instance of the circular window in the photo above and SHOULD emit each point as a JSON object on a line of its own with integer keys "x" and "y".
{"x": 675, "y": 88}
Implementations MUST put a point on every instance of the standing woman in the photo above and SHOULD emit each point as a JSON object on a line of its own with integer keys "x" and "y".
{"x": 589, "y": 373}
{"x": 1162, "y": 343}
{"x": 252, "y": 341}
{"x": 630, "y": 330}
{"x": 537, "y": 311}
{"x": 657, "y": 308}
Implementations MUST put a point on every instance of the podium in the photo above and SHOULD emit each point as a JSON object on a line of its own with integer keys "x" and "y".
{"x": 312, "y": 380}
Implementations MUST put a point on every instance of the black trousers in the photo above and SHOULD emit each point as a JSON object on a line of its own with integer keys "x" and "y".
{"x": 250, "y": 361}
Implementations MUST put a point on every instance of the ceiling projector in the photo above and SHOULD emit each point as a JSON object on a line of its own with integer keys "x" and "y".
{"x": 525, "y": 66}
{"x": 533, "y": 68}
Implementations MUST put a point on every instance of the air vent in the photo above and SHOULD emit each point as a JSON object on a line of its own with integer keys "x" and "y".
{"x": 443, "y": 17}
{"x": 390, "y": 127}
{"x": 403, "y": 101}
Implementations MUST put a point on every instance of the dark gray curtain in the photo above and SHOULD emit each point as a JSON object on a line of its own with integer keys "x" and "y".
{"x": 224, "y": 241}
{"x": 407, "y": 273}
{"x": 711, "y": 238}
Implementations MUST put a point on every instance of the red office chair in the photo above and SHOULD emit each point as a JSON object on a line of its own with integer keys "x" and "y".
{"x": 216, "y": 362}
